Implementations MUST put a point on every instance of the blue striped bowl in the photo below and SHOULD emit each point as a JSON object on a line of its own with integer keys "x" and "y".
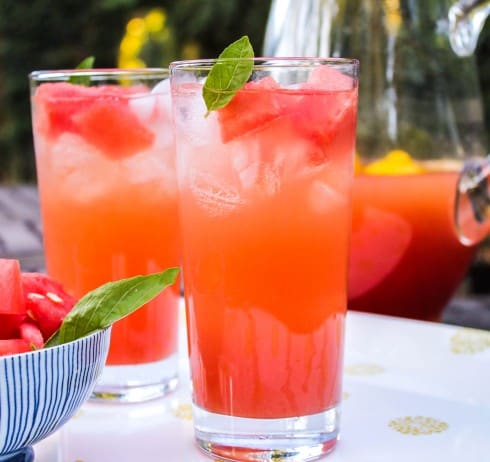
{"x": 42, "y": 389}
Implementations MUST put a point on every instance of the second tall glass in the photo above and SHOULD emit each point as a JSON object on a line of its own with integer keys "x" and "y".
{"x": 105, "y": 167}
{"x": 264, "y": 188}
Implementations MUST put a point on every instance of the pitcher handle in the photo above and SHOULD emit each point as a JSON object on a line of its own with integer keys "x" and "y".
{"x": 466, "y": 21}
{"x": 472, "y": 206}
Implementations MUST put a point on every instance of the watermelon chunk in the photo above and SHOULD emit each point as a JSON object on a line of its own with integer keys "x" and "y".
{"x": 9, "y": 325}
{"x": 256, "y": 104}
{"x": 47, "y": 302}
{"x": 328, "y": 103}
{"x": 34, "y": 306}
{"x": 41, "y": 283}
{"x": 11, "y": 295}
{"x": 31, "y": 333}
{"x": 379, "y": 241}
{"x": 113, "y": 128}
{"x": 57, "y": 103}
{"x": 315, "y": 109}
{"x": 100, "y": 114}
{"x": 329, "y": 79}
{"x": 47, "y": 314}
{"x": 14, "y": 346}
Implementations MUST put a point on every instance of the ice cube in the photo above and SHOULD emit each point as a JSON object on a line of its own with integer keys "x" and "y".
{"x": 143, "y": 107}
{"x": 154, "y": 112}
{"x": 149, "y": 107}
{"x": 323, "y": 198}
{"x": 201, "y": 130}
{"x": 164, "y": 136}
{"x": 253, "y": 170}
{"x": 327, "y": 78}
{"x": 245, "y": 160}
{"x": 191, "y": 122}
{"x": 151, "y": 166}
{"x": 249, "y": 175}
{"x": 214, "y": 195}
{"x": 79, "y": 169}
{"x": 162, "y": 87}
{"x": 162, "y": 90}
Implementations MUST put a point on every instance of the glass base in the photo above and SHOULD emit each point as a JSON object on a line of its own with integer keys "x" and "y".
{"x": 297, "y": 439}
{"x": 137, "y": 383}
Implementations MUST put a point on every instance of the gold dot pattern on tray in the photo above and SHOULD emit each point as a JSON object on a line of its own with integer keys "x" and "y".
{"x": 470, "y": 341}
{"x": 345, "y": 395}
{"x": 183, "y": 411}
{"x": 78, "y": 414}
{"x": 363, "y": 369}
{"x": 418, "y": 425}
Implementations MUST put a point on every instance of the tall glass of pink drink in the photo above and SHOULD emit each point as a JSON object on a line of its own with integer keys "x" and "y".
{"x": 264, "y": 188}
{"x": 105, "y": 168}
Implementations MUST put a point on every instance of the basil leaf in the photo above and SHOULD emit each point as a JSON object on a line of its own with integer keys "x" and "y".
{"x": 229, "y": 73}
{"x": 87, "y": 63}
{"x": 110, "y": 303}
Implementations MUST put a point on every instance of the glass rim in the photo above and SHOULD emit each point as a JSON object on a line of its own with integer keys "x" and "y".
{"x": 61, "y": 75}
{"x": 265, "y": 62}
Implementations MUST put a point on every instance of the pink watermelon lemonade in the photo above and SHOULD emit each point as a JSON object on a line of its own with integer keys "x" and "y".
{"x": 265, "y": 217}
{"x": 105, "y": 166}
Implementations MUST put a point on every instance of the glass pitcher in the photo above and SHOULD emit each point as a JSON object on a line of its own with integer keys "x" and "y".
{"x": 421, "y": 195}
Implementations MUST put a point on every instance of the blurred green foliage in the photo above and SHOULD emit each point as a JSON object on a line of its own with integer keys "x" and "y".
{"x": 483, "y": 60}
{"x": 416, "y": 93}
{"x": 49, "y": 34}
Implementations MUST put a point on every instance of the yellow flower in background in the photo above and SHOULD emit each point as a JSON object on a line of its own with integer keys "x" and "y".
{"x": 392, "y": 15}
{"x": 155, "y": 20}
{"x": 136, "y": 28}
{"x": 146, "y": 37}
{"x": 191, "y": 50}
{"x": 132, "y": 43}
{"x": 130, "y": 46}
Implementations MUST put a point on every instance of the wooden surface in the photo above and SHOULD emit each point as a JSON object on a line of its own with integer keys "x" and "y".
{"x": 21, "y": 238}
{"x": 20, "y": 226}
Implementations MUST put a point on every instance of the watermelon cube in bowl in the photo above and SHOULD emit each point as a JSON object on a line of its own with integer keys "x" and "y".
{"x": 40, "y": 388}
{"x": 11, "y": 294}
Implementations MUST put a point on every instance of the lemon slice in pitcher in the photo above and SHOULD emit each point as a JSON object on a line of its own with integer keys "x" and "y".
{"x": 396, "y": 162}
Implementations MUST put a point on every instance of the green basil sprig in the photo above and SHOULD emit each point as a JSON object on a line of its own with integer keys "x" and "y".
{"x": 87, "y": 63}
{"x": 109, "y": 303}
{"x": 229, "y": 73}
